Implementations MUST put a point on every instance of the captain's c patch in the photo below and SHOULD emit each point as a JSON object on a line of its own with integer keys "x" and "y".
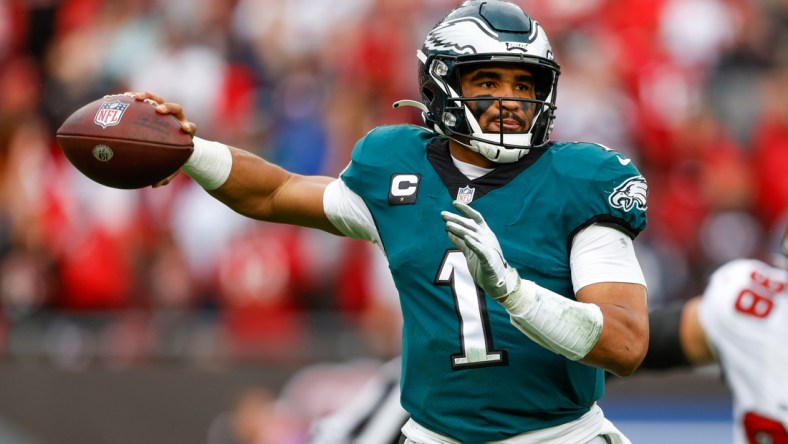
{"x": 404, "y": 189}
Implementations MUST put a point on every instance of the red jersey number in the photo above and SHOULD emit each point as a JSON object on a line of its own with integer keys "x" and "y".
{"x": 761, "y": 430}
{"x": 758, "y": 300}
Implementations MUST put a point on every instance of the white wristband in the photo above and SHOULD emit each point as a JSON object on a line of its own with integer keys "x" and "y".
{"x": 559, "y": 324}
{"x": 209, "y": 164}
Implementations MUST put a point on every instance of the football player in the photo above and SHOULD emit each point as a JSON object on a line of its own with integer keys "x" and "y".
{"x": 513, "y": 254}
{"x": 740, "y": 321}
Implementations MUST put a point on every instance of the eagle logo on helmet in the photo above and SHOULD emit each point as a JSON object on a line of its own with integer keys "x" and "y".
{"x": 470, "y": 35}
{"x": 461, "y": 36}
{"x": 632, "y": 193}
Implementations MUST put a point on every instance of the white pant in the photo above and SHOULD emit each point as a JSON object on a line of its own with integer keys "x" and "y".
{"x": 591, "y": 428}
{"x": 596, "y": 440}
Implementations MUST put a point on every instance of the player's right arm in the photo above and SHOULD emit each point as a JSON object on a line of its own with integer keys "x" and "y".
{"x": 249, "y": 184}
{"x": 262, "y": 190}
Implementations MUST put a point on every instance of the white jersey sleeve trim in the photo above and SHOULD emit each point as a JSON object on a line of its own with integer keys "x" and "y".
{"x": 603, "y": 254}
{"x": 348, "y": 212}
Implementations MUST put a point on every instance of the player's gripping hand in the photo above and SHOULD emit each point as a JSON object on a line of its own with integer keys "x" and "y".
{"x": 482, "y": 251}
{"x": 164, "y": 107}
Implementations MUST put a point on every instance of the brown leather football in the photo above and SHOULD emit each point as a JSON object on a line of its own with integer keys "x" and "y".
{"x": 124, "y": 143}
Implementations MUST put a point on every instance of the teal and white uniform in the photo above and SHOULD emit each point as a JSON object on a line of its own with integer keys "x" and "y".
{"x": 467, "y": 372}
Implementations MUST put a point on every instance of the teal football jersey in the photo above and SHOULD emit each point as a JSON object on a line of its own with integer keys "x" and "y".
{"x": 467, "y": 372}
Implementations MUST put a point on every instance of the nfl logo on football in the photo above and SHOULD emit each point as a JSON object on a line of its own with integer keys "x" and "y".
{"x": 110, "y": 113}
{"x": 465, "y": 194}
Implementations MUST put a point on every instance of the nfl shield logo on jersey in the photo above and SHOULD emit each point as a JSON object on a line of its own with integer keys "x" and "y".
{"x": 465, "y": 194}
{"x": 110, "y": 113}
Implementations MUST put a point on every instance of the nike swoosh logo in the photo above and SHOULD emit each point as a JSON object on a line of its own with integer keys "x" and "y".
{"x": 623, "y": 161}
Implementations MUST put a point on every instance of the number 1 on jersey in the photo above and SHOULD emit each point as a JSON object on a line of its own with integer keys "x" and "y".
{"x": 475, "y": 337}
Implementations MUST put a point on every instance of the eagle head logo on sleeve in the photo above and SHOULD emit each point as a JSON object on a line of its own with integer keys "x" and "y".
{"x": 632, "y": 193}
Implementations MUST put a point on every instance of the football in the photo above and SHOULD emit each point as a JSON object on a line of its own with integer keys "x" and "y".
{"x": 124, "y": 143}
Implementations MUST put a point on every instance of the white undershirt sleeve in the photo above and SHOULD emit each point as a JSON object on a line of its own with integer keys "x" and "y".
{"x": 603, "y": 254}
{"x": 348, "y": 212}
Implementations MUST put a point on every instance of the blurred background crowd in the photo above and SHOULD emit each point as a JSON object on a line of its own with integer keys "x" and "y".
{"x": 694, "y": 91}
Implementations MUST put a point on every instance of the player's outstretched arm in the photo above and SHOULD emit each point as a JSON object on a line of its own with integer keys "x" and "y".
{"x": 249, "y": 184}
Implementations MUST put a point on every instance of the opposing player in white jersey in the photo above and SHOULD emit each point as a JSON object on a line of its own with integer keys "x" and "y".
{"x": 741, "y": 321}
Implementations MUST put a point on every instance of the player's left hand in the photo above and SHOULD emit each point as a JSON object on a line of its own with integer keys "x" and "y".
{"x": 482, "y": 251}
{"x": 164, "y": 107}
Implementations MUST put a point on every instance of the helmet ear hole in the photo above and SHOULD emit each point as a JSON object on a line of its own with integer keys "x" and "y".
{"x": 543, "y": 80}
